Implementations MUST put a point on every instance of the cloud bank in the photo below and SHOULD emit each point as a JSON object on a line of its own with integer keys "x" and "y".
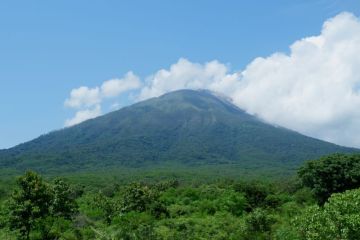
{"x": 315, "y": 89}
{"x": 87, "y": 101}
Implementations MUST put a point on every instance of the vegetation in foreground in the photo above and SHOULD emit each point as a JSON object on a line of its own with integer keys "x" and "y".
{"x": 322, "y": 203}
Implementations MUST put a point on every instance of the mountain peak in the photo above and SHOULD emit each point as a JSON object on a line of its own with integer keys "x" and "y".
{"x": 202, "y": 100}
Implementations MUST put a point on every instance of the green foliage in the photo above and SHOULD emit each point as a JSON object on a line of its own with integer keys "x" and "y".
{"x": 219, "y": 226}
{"x": 304, "y": 196}
{"x": 338, "y": 219}
{"x": 170, "y": 210}
{"x": 52, "y": 227}
{"x": 63, "y": 202}
{"x": 258, "y": 195}
{"x": 331, "y": 174}
{"x": 141, "y": 198}
{"x": 259, "y": 221}
{"x": 134, "y": 225}
{"x": 108, "y": 206}
{"x": 36, "y": 209}
{"x": 138, "y": 197}
{"x": 29, "y": 204}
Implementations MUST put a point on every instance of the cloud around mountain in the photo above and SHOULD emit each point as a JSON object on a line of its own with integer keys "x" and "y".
{"x": 315, "y": 89}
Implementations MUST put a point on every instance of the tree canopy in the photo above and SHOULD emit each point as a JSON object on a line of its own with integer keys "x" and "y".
{"x": 331, "y": 174}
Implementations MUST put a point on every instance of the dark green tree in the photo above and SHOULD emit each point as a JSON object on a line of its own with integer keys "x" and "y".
{"x": 37, "y": 208}
{"x": 63, "y": 204}
{"x": 331, "y": 174}
{"x": 137, "y": 197}
{"x": 134, "y": 226}
{"x": 255, "y": 193}
{"x": 108, "y": 206}
{"x": 141, "y": 198}
{"x": 258, "y": 224}
{"x": 259, "y": 220}
{"x": 29, "y": 204}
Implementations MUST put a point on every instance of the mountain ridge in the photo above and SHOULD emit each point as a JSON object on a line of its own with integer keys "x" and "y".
{"x": 186, "y": 127}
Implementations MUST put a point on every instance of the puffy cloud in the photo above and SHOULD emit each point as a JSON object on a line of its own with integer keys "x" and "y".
{"x": 88, "y": 100}
{"x": 83, "y": 97}
{"x": 83, "y": 115}
{"x": 115, "y": 87}
{"x": 314, "y": 89}
{"x": 185, "y": 74}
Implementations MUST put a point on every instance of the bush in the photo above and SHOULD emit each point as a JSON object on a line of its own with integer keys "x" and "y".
{"x": 259, "y": 221}
{"x": 338, "y": 219}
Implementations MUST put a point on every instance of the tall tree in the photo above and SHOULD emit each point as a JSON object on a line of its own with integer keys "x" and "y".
{"x": 331, "y": 174}
{"x": 29, "y": 203}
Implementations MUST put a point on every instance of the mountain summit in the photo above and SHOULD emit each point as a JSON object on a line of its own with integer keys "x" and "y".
{"x": 184, "y": 127}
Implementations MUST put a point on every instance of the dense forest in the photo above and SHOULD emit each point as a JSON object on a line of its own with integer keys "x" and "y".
{"x": 321, "y": 202}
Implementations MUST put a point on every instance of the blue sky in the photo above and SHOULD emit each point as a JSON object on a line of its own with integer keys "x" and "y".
{"x": 48, "y": 48}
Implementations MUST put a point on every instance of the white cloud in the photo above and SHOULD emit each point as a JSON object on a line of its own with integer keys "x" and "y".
{"x": 83, "y": 115}
{"x": 185, "y": 74}
{"x": 314, "y": 89}
{"x": 115, "y": 87}
{"x": 88, "y": 100}
{"x": 83, "y": 97}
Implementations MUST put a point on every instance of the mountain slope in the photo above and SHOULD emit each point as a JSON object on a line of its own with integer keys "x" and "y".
{"x": 185, "y": 127}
